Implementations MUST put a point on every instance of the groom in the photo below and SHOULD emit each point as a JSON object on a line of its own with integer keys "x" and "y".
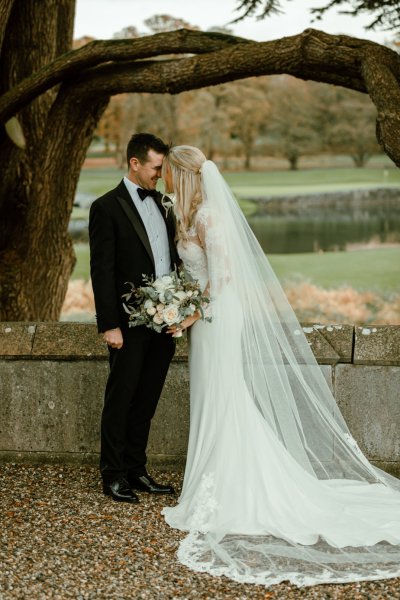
{"x": 130, "y": 235}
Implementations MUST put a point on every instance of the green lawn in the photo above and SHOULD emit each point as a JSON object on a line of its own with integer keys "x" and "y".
{"x": 375, "y": 270}
{"x": 99, "y": 180}
{"x": 244, "y": 184}
{"x": 82, "y": 268}
{"x": 247, "y": 184}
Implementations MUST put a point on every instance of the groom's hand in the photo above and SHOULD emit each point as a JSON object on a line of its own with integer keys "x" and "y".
{"x": 113, "y": 337}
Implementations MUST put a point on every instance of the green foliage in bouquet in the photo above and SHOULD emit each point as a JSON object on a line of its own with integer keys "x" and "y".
{"x": 165, "y": 301}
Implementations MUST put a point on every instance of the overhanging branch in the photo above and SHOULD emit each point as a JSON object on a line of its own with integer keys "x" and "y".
{"x": 311, "y": 55}
{"x": 71, "y": 64}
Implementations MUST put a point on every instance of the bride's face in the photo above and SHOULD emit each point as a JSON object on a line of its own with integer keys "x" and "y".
{"x": 169, "y": 186}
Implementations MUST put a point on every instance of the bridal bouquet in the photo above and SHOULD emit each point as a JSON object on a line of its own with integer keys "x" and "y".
{"x": 165, "y": 301}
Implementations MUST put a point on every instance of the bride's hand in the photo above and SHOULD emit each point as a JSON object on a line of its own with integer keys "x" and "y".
{"x": 188, "y": 322}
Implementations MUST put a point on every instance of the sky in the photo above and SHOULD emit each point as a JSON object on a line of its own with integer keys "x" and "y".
{"x": 102, "y": 18}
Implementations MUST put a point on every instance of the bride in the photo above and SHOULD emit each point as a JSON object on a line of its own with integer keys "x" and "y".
{"x": 275, "y": 486}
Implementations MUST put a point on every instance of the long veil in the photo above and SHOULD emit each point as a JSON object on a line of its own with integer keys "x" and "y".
{"x": 291, "y": 394}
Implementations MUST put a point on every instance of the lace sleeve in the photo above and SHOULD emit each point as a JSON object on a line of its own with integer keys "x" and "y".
{"x": 210, "y": 231}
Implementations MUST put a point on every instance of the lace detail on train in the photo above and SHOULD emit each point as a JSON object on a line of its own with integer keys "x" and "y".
{"x": 252, "y": 561}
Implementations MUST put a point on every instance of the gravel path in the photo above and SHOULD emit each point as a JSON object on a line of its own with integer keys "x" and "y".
{"x": 61, "y": 538}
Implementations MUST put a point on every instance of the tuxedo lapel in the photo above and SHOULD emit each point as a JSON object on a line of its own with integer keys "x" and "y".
{"x": 132, "y": 214}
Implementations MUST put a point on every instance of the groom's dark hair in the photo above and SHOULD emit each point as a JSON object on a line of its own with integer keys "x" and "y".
{"x": 141, "y": 143}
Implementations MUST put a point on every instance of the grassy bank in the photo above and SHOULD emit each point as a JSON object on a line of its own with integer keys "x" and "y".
{"x": 97, "y": 181}
{"x": 374, "y": 270}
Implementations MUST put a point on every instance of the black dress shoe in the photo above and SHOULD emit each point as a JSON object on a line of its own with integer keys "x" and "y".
{"x": 120, "y": 491}
{"x": 146, "y": 484}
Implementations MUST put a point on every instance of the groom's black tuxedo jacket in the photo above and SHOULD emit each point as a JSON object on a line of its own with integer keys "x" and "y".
{"x": 120, "y": 251}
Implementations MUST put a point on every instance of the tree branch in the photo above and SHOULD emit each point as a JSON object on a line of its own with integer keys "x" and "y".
{"x": 383, "y": 88}
{"x": 305, "y": 55}
{"x": 311, "y": 55}
{"x": 183, "y": 41}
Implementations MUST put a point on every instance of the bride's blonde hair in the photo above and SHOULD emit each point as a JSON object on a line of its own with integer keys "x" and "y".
{"x": 185, "y": 163}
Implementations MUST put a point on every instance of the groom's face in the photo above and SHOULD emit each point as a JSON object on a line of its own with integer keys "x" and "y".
{"x": 146, "y": 174}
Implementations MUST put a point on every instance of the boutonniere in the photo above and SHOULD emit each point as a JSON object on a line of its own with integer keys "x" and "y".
{"x": 167, "y": 203}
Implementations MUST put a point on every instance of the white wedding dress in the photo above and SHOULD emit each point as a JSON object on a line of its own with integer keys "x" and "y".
{"x": 275, "y": 487}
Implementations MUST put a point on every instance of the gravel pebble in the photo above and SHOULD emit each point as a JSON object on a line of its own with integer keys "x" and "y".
{"x": 62, "y": 538}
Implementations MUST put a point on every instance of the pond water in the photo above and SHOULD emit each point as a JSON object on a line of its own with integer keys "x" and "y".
{"x": 296, "y": 234}
{"x": 316, "y": 223}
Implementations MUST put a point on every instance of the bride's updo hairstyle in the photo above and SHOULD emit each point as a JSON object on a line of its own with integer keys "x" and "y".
{"x": 185, "y": 163}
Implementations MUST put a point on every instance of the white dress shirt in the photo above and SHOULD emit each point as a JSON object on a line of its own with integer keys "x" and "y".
{"x": 155, "y": 228}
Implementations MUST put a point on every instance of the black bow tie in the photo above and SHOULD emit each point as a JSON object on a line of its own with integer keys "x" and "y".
{"x": 144, "y": 193}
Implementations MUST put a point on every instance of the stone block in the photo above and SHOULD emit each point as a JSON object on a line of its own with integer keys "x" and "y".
{"x": 54, "y": 407}
{"x": 170, "y": 426}
{"x": 377, "y": 345}
{"x": 369, "y": 398}
{"x": 51, "y": 406}
{"x": 323, "y": 351}
{"x": 70, "y": 341}
{"x": 330, "y": 343}
{"x": 340, "y": 338}
{"x": 16, "y": 339}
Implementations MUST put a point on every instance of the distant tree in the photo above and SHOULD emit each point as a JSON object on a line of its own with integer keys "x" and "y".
{"x": 249, "y": 110}
{"x": 215, "y": 134}
{"x": 346, "y": 122}
{"x": 159, "y": 23}
{"x": 292, "y": 126}
{"x": 110, "y": 124}
{"x": 130, "y": 32}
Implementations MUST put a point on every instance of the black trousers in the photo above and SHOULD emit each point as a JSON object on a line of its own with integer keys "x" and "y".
{"x": 137, "y": 374}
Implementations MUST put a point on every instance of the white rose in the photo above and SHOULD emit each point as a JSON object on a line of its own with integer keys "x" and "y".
{"x": 170, "y": 314}
{"x": 179, "y": 297}
{"x": 148, "y": 304}
{"x": 158, "y": 319}
{"x": 151, "y": 311}
{"x": 167, "y": 279}
{"x": 160, "y": 308}
{"x": 161, "y": 297}
{"x": 189, "y": 293}
{"x": 159, "y": 285}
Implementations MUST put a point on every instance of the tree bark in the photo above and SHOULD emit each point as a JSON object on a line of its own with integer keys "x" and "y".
{"x": 36, "y": 255}
{"x": 59, "y": 95}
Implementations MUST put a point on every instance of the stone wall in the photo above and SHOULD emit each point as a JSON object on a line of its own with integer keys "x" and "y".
{"x": 52, "y": 378}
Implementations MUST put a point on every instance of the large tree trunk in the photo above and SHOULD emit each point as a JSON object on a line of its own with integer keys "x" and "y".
{"x": 58, "y": 97}
{"x": 38, "y": 184}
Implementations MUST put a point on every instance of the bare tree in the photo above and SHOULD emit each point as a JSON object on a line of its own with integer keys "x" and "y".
{"x": 51, "y": 99}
